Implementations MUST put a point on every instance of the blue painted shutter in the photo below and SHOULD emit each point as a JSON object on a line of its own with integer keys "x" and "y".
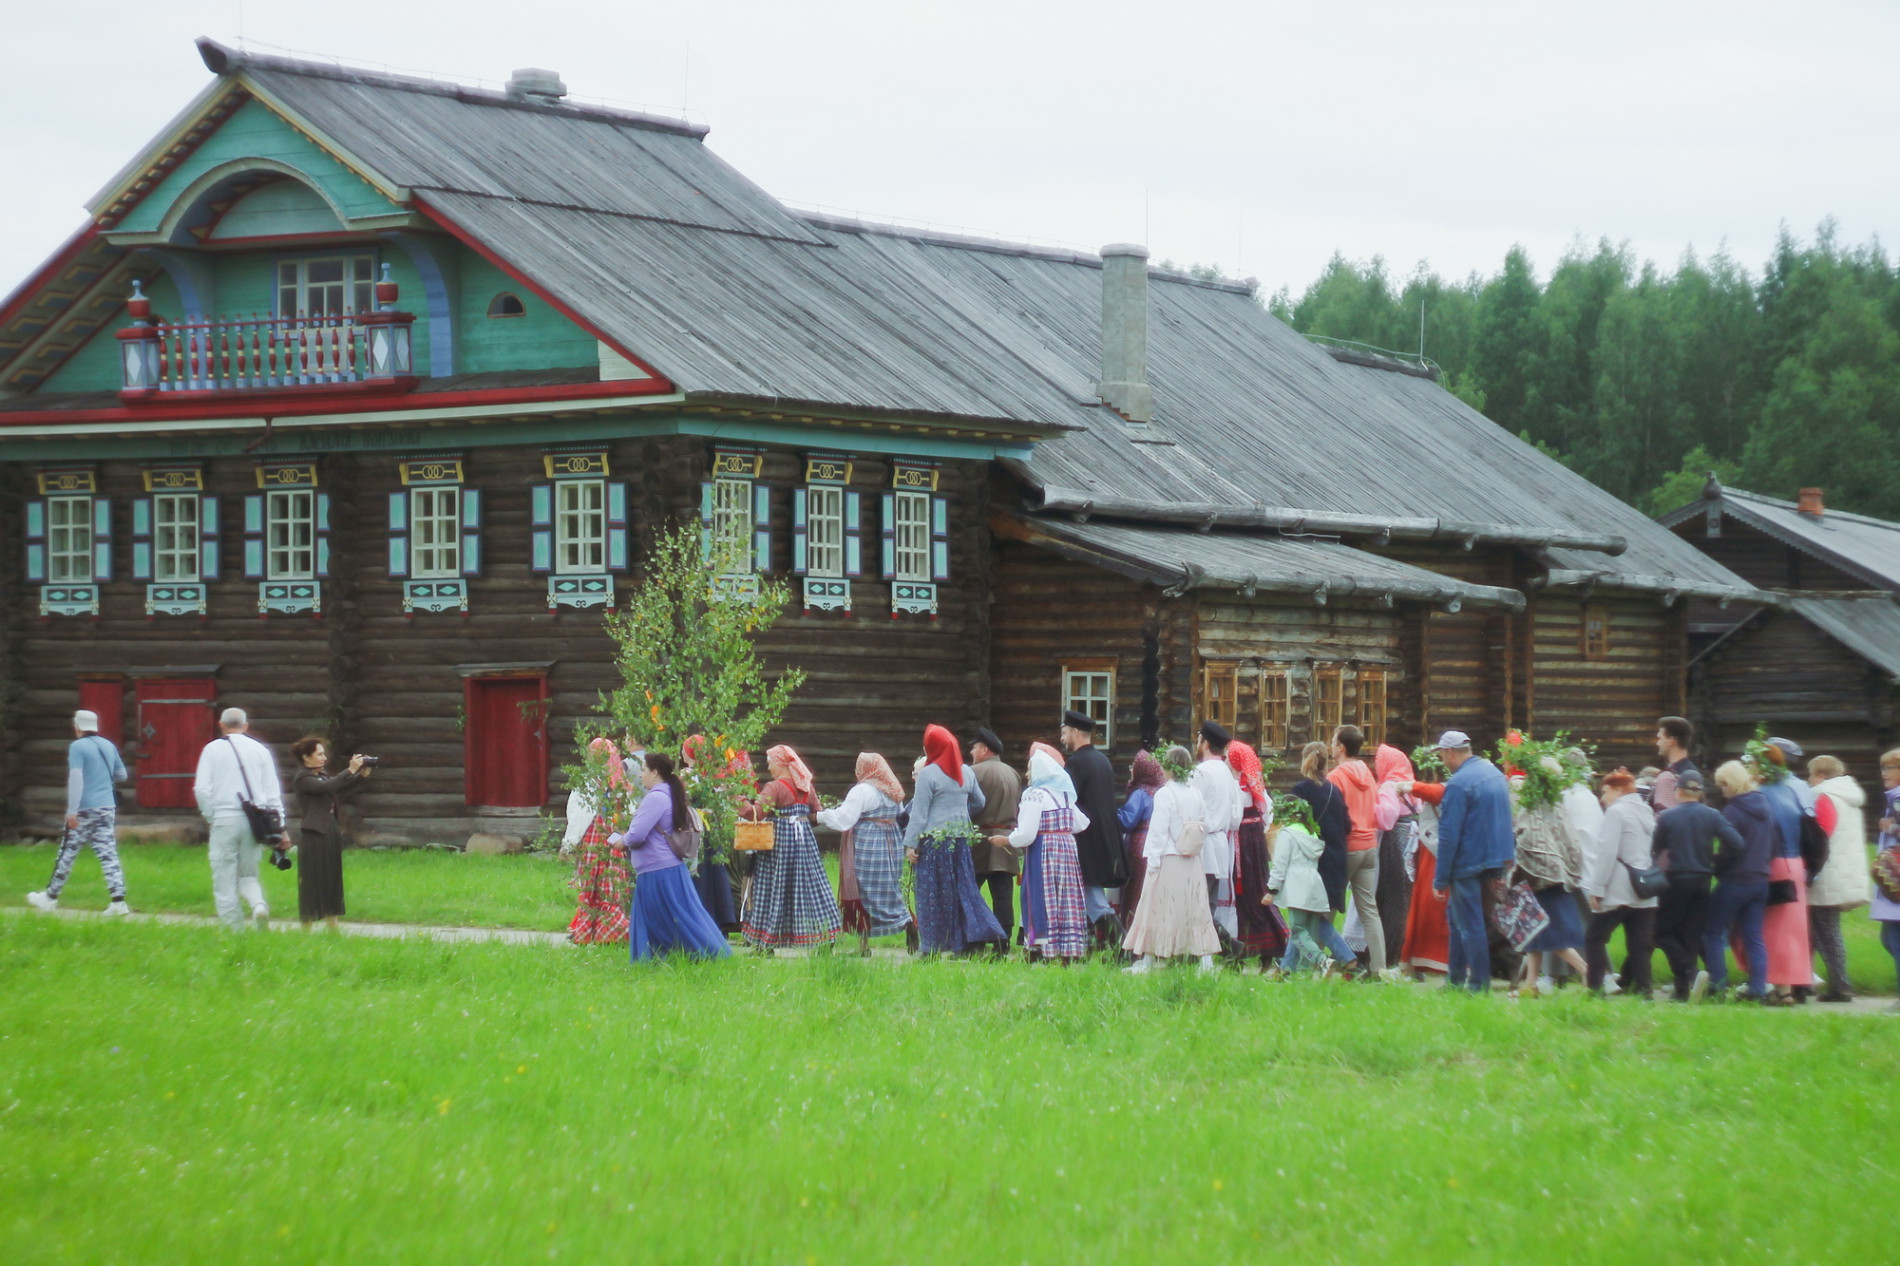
{"x": 940, "y": 538}
{"x": 209, "y": 561}
{"x": 471, "y": 532}
{"x": 890, "y": 536}
{"x": 761, "y": 528}
{"x": 853, "y": 534}
{"x": 541, "y": 520}
{"x": 705, "y": 523}
{"x": 101, "y": 539}
{"x": 254, "y": 538}
{"x": 399, "y": 534}
{"x": 36, "y": 541}
{"x": 323, "y": 533}
{"x": 799, "y": 530}
{"x": 141, "y": 538}
{"x": 616, "y": 526}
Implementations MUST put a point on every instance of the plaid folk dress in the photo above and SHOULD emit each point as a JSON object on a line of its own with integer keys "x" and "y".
{"x": 1055, "y": 916}
{"x": 870, "y": 862}
{"x": 790, "y": 902}
{"x": 601, "y": 884}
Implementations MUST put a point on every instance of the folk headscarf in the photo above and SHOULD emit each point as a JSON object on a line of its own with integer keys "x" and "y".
{"x": 796, "y": 772}
{"x": 941, "y": 750}
{"x": 607, "y": 750}
{"x": 1245, "y": 762}
{"x": 1046, "y": 770}
{"x": 877, "y": 771}
{"x": 1389, "y": 764}
{"x": 1146, "y": 773}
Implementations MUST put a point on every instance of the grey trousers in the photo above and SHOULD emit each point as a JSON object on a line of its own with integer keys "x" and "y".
{"x": 235, "y": 855}
{"x": 1362, "y": 872}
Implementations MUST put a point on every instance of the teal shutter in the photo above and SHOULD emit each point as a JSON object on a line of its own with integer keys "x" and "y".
{"x": 323, "y": 534}
{"x": 890, "y": 536}
{"x": 142, "y": 538}
{"x": 761, "y": 528}
{"x": 940, "y": 538}
{"x": 617, "y": 520}
{"x": 471, "y": 532}
{"x": 800, "y": 528}
{"x": 101, "y": 540}
{"x": 208, "y": 556}
{"x": 36, "y": 541}
{"x": 399, "y": 534}
{"x": 853, "y": 534}
{"x": 541, "y": 521}
{"x": 706, "y": 523}
{"x": 254, "y": 538}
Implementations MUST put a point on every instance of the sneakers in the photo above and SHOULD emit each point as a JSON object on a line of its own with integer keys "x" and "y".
{"x": 1546, "y": 986}
{"x": 1611, "y": 987}
{"x": 260, "y": 913}
{"x": 40, "y": 901}
{"x": 1700, "y": 989}
{"x": 1141, "y": 966}
{"x": 118, "y": 908}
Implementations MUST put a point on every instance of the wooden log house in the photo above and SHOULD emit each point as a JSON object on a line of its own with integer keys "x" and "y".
{"x": 1821, "y": 668}
{"x": 358, "y": 399}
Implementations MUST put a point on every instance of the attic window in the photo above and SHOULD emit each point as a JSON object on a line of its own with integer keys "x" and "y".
{"x": 507, "y": 305}
{"x": 1596, "y": 631}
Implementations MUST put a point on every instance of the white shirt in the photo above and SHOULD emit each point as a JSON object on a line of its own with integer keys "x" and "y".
{"x": 1176, "y": 805}
{"x": 1583, "y": 811}
{"x": 1220, "y": 796}
{"x": 862, "y": 801}
{"x": 220, "y": 782}
{"x": 1029, "y": 814}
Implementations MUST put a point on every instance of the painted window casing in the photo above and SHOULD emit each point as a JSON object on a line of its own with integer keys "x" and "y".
{"x": 290, "y": 534}
{"x": 69, "y": 540}
{"x": 325, "y": 285}
{"x": 732, "y": 526}
{"x": 435, "y": 532}
{"x": 578, "y": 529}
{"x": 177, "y": 555}
{"x": 580, "y": 526}
{"x": 911, "y": 540}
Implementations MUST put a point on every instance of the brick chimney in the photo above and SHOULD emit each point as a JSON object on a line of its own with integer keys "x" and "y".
{"x": 1810, "y": 502}
{"x": 1124, "y": 386}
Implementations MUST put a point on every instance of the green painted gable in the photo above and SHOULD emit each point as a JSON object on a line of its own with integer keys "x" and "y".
{"x": 254, "y": 130}
{"x": 541, "y": 338}
{"x": 95, "y": 365}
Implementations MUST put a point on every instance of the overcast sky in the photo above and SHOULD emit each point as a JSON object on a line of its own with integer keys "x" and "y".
{"x": 1261, "y": 136}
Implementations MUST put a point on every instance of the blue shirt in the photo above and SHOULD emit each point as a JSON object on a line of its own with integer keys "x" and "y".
{"x": 92, "y": 766}
{"x": 1475, "y": 833}
{"x": 1784, "y": 806}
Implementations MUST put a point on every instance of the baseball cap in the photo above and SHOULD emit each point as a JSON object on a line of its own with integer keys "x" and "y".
{"x": 85, "y": 721}
{"x": 1453, "y": 739}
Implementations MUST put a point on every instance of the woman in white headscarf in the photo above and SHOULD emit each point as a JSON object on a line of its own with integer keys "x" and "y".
{"x": 1055, "y": 916}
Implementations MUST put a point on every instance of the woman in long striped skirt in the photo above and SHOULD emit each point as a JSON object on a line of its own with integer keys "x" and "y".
{"x": 790, "y": 903}
{"x": 1055, "y": 916}
{"x": 1261, "y": 929}
{"x": 601, "y": 883}
{"x": 871, "y": 854}
{"x": 952, "y": 916}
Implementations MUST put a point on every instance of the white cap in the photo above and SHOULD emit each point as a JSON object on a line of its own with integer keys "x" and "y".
{"x": 86, "y": 722}
{"x": 1453, "y": 740}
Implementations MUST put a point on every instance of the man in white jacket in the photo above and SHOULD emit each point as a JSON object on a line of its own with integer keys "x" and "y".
{"x": 226, "y": 766}
{"x": 1220, "y": 794}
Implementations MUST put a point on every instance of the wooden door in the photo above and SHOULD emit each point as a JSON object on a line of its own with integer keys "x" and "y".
{"x": 105, "y": 696}
{"x": 506, "y": 742}
{"x": 175, "y": 722}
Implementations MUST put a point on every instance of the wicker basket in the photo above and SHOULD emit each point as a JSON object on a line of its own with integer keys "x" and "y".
{"x": 753, "y": 837}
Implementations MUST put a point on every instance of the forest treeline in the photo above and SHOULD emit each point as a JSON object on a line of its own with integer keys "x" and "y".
{"x": 1644, "y": 380}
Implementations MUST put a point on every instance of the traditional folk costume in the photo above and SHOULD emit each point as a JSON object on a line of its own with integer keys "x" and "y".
{"x": 601, "y": 882}
{"x": 996, "y": 863}
{"x": 1260, "y": 930}
{"x": 790, "y": 901}
{"x": 871, "y": 851}
{"x": 1427, "y": 933}
{"x": 1220, "y": 793}
{"x": 1397, "y": 819}
{"x": 1055, "y": 913}
{"x": 1144, "y": 779}
{"x": 1173, "y": 920}
{"x": 1098, "y": 845}
{"x": 715, "y": 881}
{"x": 667, "y": 916}
{"x": 951, "y": 916}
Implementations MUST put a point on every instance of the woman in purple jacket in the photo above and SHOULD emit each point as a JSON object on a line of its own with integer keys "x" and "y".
{"x": 667, "y": 915}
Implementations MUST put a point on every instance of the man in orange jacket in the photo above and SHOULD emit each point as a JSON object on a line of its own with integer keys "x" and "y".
{"x": 1360, "y": 790}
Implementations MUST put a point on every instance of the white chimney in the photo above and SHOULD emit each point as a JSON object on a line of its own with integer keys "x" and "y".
{"x": 1124, "y": 386}
{"x": 534, "y": 84}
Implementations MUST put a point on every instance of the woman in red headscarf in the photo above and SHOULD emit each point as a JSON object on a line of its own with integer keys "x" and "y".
{"x": 1262, "y": 929}
{"x": 601, "y": 883}
{"x": 952, "y": 916}
{"x": 790, "y": 901}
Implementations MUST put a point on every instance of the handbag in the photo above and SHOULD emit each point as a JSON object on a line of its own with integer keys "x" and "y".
{"x": 1782, "y": 892}
{"x": 1887, "y": 873}
{"x": 267, "y": 824}
{"x": 1193, "y": 836}
{"x": 1814, "y": 845}
{"x": 1521, "y": 916}
{"x": 1651, "y": 881}
{"x": 686, "y": 839}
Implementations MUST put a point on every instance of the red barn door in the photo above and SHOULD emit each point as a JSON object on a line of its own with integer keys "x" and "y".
{"x": 175, "y": 722}
{"x": 506, "y": 742}
{"x": 105, "y": 696}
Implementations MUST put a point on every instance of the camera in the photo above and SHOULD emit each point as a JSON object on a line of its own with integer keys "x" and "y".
{"x": 280, "y": 858}
{"x": 369, "y": 762}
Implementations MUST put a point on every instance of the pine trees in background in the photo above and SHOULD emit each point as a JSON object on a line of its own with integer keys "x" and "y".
{"x": 1644, "y": 381}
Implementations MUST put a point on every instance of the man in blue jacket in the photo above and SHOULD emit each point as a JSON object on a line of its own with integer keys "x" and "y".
{"x": 1475, "y": 844}
{"x": 92, "y": 814}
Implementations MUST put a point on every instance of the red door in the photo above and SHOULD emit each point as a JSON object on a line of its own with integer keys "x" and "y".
{"x": 105, "y": 697}
{"x": 175, "y": 722}
{"x": 506, "y": 742}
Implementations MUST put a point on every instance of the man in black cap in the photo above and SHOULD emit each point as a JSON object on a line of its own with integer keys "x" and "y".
{"x": 1684, "y": 842}
{"x": 996, "y": 862}
{"x": 1099, "y": 846}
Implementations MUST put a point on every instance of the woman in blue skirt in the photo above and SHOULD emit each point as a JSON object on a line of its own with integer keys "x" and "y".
{"x": 667, "y": 916}
{"x": 952, "y": 916}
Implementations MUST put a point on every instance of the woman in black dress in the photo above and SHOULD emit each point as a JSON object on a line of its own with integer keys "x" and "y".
{"x": 320, "y": 834}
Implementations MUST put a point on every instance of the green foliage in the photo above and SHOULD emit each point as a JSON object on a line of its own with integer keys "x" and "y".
{"x": 1764, "y": 760}
{"x": 1429, "y": 764}
{"x": 1290, "y": 810}
{"x": 1548, "y": 767}
{"x": 1684, "y": 485}
{"x": 1632, "y": 375}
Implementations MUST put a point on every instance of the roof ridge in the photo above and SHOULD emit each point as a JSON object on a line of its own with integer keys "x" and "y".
{"x": 1795, "y": 506}
{"x": 221, "y": 59}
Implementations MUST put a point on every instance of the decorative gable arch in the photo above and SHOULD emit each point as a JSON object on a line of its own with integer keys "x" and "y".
{"x": 202, "y": 206}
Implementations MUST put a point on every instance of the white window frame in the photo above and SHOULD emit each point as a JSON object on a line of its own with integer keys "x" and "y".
{"x": 580, "y": 526}
{"x": 1091, "y": 691}
{"x": 824, "y": 531}
{"x": 69, "y": 540}
{"x": 290, "y": 534}
{"x": 910, "y": 536}
{"x": 353, "y": 292}
{"x": 732, "y": 526}
{"x": 176, "y": 557}
{"x": 435, "y": 532}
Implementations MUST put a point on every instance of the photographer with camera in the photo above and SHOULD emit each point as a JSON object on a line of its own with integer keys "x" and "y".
{"x": 320, "y": 830}
{"x": 240, "y": 796}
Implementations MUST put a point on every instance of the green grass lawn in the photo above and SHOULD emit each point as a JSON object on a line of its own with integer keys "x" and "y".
{"x": 175, "y": 1094}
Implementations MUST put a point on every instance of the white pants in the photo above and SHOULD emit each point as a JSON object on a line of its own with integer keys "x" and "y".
{"x": 235, "y": 855}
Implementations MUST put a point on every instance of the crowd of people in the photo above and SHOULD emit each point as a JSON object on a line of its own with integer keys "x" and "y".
{"x": 1522, "y": 873}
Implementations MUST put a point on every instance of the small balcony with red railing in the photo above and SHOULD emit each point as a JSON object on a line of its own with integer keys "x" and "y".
{"x": 323, "y": 354}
